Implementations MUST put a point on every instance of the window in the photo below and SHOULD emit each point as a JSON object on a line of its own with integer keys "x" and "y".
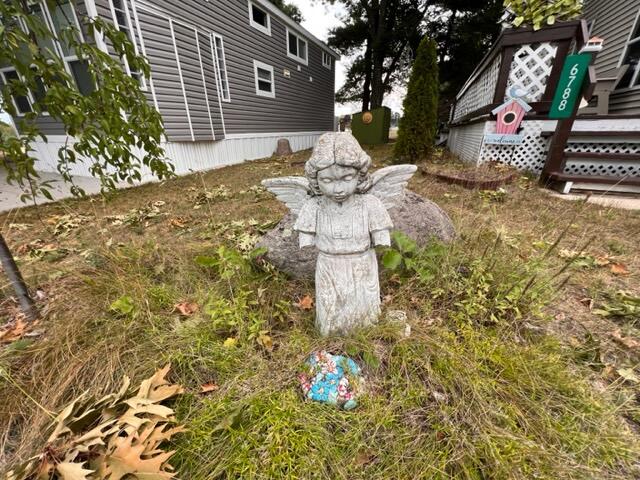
{"x": 631, "y": 57}
{"x": 296, "y": 47}
{"x": 122, "y": 21}
{"x": 326, "y": 60}
{"x": 64, "y": 16}
{"x": 21, "y": 102}
{"x": 265, "y": 85}
{"x": 259, "y": 19}
{"x": 222, "y": 68}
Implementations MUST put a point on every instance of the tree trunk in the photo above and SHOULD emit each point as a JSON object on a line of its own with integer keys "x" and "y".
{"x": 377, "y": 85}
{"x": 11, "y": 269}
{"x": 366, "y": 88}
{"x": 447, "y": 40}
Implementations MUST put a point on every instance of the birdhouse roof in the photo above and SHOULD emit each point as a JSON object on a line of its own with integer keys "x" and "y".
{"x": 525, "y": 106}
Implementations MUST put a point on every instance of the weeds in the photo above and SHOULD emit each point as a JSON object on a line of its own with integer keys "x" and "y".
{"x": 474, "y": 388}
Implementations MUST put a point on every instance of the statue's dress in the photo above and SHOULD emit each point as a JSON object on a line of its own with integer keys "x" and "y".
{"x": 347, "y": 284}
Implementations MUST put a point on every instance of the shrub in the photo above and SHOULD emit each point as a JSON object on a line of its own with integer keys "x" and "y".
{"x": 420, "y": 121}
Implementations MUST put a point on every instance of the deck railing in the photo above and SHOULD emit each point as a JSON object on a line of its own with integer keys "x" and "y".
{"x": 530, "y": 59}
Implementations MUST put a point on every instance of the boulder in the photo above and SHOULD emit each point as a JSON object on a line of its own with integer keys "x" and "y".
{"x": 284, "y": 148}
{"x": 417, "y": 217}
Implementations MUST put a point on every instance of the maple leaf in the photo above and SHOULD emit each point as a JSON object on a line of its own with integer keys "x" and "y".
{"x": 72, "y": 471}
{"x": 305, "y": 303}
{"x": 619, "y": 269}
{"x": 186, "y": 309}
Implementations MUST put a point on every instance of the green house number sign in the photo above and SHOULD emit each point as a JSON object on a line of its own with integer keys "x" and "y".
{"x": 570, "y": 85}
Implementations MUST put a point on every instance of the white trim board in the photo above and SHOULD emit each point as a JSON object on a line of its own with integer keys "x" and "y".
{"x": 268, "y": 68}
{"x": 258, "y": 26}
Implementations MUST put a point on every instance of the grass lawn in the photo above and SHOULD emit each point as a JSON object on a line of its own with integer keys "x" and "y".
{"x": 520, "y": 361}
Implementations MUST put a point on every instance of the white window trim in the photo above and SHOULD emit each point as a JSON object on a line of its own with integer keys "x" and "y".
{"x": 635, "y": 80}
{"x": 304, "y": 61}
{"x": 264, "y": 66}
{"x": 132, "y": 38}
{"x": 220, "y": 73}
{"x": 256, "y": 25}
{"x": 13, "y": 100}
{"x": 67, "y": 59}
{"x": 326, "y": 55}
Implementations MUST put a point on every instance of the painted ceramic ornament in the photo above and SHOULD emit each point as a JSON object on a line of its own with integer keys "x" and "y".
{"x": 342, "y": 211}
{"x": 327, "y": 380}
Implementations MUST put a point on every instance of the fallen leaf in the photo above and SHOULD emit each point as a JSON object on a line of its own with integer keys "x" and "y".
{"x": 15, "y": 332}
{"x": 629, "y": 375}
{"x": 602, "y": 261}
{"x": 619, "y": 269}
{"x": 628, "y": 342}
{"x": 178, "y": 222}
{"x": 185, "y": 308}
{"x": 364, "y": 457}
{"x": 72, "y": 471}
{"x": 208, "y": 388}
{"x": 305, "y": 303}
{"x": 266, "y": 341}
{"x": 230, "y": 342}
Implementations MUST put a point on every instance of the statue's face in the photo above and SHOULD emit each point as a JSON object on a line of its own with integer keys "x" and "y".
{"x": 338, "y": 183}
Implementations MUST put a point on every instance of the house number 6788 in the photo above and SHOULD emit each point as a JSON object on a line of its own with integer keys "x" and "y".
{"x": 567, "y": 91}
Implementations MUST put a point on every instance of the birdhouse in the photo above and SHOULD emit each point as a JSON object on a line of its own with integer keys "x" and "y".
{"x": 510, "y": 115}
{"x": 594, "y": 45}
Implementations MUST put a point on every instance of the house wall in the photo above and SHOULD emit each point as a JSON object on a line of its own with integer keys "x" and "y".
{"x": 303, "y": 102}
{"x": 614, "y": 21}
{"x": 188, "y": 157}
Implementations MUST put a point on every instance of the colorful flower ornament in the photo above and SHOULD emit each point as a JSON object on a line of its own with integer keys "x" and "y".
{"x": 328, "y": 381}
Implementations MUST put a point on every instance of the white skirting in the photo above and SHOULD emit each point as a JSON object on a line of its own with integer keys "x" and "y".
{"x": 190, "y": 157}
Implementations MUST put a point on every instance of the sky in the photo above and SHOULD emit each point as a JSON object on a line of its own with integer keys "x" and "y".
{"x": 319, "y": 18}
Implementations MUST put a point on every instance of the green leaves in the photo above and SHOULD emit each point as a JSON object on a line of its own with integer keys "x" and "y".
{"x": 536, "y": 13}
{"x": 123, "y": 306}
{"x": 418, "y": 126}
{"x": 392, "y": 259}
{"x": 93, "y": 115}
{"x": 400, "y": 253}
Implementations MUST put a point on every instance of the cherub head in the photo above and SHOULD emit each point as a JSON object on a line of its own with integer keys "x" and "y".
{"x": 338, "y": 167}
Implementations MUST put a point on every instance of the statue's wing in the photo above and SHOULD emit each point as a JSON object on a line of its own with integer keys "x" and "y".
{"x": 292, "y": 191}
{"x": 388, "y": 184}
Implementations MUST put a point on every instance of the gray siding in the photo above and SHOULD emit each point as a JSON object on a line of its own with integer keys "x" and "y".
{"x": 613, "y": 22}
{"x": 303, "y": 102}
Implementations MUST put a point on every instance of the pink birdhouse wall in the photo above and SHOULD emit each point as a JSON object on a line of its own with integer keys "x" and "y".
{"x": 510, "y": 118}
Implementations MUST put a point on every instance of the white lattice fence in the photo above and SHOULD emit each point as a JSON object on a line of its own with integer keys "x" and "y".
{"x": 603, "y": 167}
{"x": 531, "y": 68}
{"x": 529, "y": 156}
{"x": 480, "y": 93}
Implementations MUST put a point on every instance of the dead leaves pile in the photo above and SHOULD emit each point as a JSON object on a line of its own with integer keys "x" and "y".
{"x": 118, "y": 437}
{"x": 585, "y": 260}
{"x": 138, "y": 216}
{"x": 201, "y": 197}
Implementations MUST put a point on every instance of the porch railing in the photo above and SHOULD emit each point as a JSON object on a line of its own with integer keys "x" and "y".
{"x": 530, "y": 59}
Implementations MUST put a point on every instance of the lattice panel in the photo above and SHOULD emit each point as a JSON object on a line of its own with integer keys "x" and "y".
{"x": 480, "y": 93}
{"x": 530, "y": 156}
{"x": 598, "y": 167}
{"x": 597, "y": 147}
{"x": 531, "y": 68}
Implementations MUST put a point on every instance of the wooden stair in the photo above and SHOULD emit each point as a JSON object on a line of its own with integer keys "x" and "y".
{"x": 624, "y": 167}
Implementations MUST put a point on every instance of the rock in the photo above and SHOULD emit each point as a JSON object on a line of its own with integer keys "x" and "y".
{"x": 284, "y": 148}
{"x": 417, "y": 217}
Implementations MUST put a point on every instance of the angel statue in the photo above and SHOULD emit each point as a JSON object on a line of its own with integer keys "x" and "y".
{"x": 341, "y": 210}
